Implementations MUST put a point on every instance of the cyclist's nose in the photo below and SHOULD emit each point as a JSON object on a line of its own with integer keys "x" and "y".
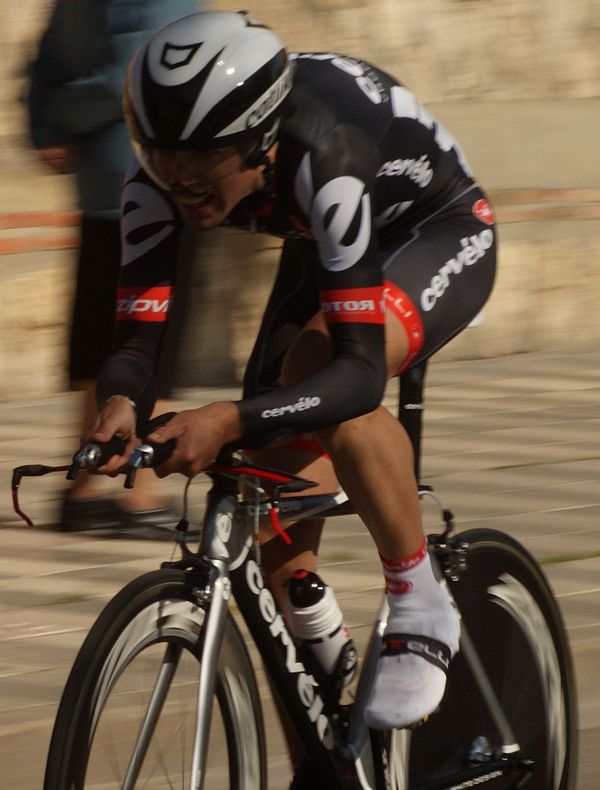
{"x": 186, "y": 175}
{"x": 175, "y": 170}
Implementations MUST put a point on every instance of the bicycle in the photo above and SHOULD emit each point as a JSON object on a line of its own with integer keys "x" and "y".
{"x": 163, "y": 692}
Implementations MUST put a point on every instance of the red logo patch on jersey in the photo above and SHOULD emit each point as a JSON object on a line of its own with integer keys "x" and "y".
{"x": 353, "y": 305}
{"x": 484, "y": 212}
{"x": 137, "y": 304}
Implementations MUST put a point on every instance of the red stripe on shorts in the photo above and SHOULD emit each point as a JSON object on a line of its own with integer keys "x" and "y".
{"x": 403, "y": 308}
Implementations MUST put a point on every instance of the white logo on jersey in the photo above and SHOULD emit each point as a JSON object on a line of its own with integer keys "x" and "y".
{"x": 472, "y": 250}
{"x": 302, "y": 404}
{"x": 341, "y": 200}
{"x": 417, "y": 170}
{"x": 391, "y": 213}
{"x": 346, "y": 197}
{"x": 404, "y": 105}
{"x": 151, "y": 207}
{"x": 366, "y": 78}
{"x": 368, "y": 86}
{"x": 349, "y": 306}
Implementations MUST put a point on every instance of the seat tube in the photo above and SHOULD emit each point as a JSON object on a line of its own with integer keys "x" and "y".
{"x": 410, "y": 408}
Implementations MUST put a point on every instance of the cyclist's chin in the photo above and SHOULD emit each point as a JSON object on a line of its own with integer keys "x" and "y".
{"x": 202, "y": 217}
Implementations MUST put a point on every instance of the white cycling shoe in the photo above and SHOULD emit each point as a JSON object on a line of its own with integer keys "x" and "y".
{"x": 418, "y": 645}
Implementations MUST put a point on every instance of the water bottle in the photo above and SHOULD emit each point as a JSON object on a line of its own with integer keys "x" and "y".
{"x": 316, "y": 620}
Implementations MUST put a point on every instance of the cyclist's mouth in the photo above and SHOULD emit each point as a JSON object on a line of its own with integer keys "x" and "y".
{"x": 195, "y": 199}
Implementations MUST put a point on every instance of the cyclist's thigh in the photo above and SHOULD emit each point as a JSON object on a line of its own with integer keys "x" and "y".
{"x": 293, "y": 300}
{"x": 439, "y": 276}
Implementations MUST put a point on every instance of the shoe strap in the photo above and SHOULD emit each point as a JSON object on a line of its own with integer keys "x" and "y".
{"x": 432, "y": 650}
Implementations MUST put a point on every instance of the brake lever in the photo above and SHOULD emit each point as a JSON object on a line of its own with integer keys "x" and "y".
{"x": 148, "y": 453}
{"x": 29, "y": 470}
{"x": 95, "y": 454}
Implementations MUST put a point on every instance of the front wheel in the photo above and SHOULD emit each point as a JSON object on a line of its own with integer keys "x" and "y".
{"x": 516, "y": 627}
{"x": 127, "y": 716}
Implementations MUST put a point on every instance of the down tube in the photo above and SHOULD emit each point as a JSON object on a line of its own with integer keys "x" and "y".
{"x": 296, "y": 687}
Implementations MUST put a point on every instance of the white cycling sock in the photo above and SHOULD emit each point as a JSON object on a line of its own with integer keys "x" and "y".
{"x": 421, "y": 636}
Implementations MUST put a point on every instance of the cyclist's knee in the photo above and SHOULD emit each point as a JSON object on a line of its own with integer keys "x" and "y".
{"x": 354, "y": 430}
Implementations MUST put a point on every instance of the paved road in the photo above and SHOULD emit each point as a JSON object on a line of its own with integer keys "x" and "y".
{"x": 511, "y": 443}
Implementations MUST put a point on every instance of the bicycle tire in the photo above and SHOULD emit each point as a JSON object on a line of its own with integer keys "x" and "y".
{"x": 516, "y": 626}
{"x": 155, "y": 618}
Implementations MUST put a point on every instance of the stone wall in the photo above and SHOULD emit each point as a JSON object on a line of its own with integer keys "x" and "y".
{"x": 517, "y": 81}
{"x": 455, "y": 49}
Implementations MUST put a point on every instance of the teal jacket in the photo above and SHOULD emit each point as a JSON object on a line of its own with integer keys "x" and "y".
{"x": 76, "y": 83}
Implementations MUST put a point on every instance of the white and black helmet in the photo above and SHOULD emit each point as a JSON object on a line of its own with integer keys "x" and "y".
{"x": 208, "y": 80}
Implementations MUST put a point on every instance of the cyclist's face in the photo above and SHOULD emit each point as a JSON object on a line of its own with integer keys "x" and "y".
{"x": 206, "y": 186}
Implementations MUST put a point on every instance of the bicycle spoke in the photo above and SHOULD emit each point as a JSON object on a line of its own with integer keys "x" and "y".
{"x": 155, "y": 706}
{"x": 511, "y": 687}
{"x": 128, "y": 715}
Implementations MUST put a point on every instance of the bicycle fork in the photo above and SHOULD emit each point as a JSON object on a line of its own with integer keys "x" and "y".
{"x": 215, "y": 597}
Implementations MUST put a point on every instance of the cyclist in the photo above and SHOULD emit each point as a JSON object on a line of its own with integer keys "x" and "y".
{"x": 389, "y": 251}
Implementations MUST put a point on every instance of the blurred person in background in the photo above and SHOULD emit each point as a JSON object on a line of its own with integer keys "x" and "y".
{"x": 76, "y": 125}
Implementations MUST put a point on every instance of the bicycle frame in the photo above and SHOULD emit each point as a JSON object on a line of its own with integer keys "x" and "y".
{"x": 345, "y": 752}
{"x": 229, "y": 563}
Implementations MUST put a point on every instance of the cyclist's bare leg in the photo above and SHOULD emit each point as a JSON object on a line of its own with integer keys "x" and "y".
{"x": 372, "y": 453}
{"x": 280, "y": 560}
{"x": 372, "y": 456}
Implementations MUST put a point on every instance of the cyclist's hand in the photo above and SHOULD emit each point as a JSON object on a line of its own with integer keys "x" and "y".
{"x": 117, "y": 418}
{"x": 199, "y": 435}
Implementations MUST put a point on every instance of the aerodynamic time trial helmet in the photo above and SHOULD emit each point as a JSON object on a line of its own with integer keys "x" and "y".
{"x": 205, "y": 81}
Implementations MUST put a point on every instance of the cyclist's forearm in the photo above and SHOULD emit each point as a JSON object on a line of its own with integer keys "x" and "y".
{"x": 128, "y": 372}
{"x": 347, "y": 387}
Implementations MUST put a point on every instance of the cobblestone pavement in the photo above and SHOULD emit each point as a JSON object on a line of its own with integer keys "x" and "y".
{"x": 511, "y": 443}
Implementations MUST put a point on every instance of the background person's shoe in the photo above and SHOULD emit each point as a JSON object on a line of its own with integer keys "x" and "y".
{"x": 155, "y": 524}
{"x": 87, "y": 515}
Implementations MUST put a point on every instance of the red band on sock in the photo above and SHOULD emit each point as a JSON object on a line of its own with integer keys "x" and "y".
{"x": 405, "y": 563}
{"x": 395, "y": 570}
{"x": 397, "y": 588}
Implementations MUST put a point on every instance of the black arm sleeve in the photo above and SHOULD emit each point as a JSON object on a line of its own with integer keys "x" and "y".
{"x": 333, "y": 187}
{"x": 150, "y": 230}
{"x": 350, "y": 385}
